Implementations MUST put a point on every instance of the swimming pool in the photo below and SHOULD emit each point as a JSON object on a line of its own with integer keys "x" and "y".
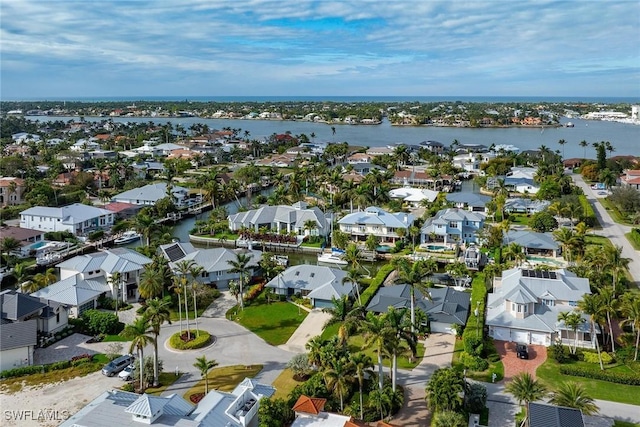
{"x": 436, "y": 248}
{"x": 543, "y": 260}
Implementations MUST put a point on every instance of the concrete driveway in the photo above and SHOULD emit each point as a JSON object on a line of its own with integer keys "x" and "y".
{"x": 310, "y": 327}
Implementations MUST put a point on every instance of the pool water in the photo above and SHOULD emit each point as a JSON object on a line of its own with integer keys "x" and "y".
{"x": 436, "y": 248}
{"x": 546, "y": 260}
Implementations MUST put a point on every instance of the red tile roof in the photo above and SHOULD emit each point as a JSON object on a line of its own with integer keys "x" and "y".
{"x": 309, "y": 405}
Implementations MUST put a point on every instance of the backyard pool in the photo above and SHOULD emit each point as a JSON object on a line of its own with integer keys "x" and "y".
{"x": 436, "y": 248}
{"x": 543, "y": 260}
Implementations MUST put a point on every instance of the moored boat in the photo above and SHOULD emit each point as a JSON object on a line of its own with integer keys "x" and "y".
{"x": 127, "y": 237}
{"x": 331, "y": 258}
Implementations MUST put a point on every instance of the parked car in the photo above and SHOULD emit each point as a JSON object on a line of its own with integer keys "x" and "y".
{"x": 602, "y": 193}
{"x": 117, "y": 365}
{"x": 127, "y": 373}
{"x": 522, "y": 351}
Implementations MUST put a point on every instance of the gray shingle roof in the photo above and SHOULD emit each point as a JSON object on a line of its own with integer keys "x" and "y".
{"x": 148, "y": 193}
{"x": 471, "y": 199}
{"x": 16, "y": 306}
{"x": 532, "y": 240}
{"x": 18, "y": 334}
{"x": 122, "y": 260}
{"x": 296, "y": 215}
{"x": 545, "y": 415}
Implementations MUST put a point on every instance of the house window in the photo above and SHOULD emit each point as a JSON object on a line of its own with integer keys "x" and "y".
{"x": 513, "y": 306}
{"x": 58, "y": 317}
{"x": 453, "y": 224}
{"x": 549, "y": 302}
{"x": 573, "y": 303}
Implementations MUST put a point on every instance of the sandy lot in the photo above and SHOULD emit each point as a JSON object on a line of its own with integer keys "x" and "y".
{"x": 53, "y": 402}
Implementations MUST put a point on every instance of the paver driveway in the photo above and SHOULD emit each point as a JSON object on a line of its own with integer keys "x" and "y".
{"x": 513, "y": 365}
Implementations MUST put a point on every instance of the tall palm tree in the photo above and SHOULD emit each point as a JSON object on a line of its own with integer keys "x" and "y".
{"x": 362, "y": 365}
{"x": 573, "y": 395}
{"x": 156, "y": 312}
{"x": 631, "y": 309}
{"x": 241, "y": 266}
{"x": 411, "y": 274}
{"x": 204, "y": 366}
{"x": 314, "y": 347}
{"x": 337, "y": 377}
{"x": 381, "y": 400}
{"x": 616, "y": 263}
{"x": 183, "y": 270}
{"x": 591, "y": 305}
{"x": 195, "y": 271}
{"x": 152, "y": 283}
{"x": 584, "y": 144}
{"x": 376, "y": 334}
{"x": 610, "y": 305}
{"x": 139, "y": 332}
{"x": 116, "y": 283}
{"x": 354, "y": 276}
{"x": 22, "y": 274}
{"x": 525, "y": 389}
{"x": 146, "y": 225}
{"x": 573, "y": 320}
{"x": 400, "y": 330}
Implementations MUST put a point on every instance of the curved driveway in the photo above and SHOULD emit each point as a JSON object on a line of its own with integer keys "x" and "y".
{"x": 611, "y": 229}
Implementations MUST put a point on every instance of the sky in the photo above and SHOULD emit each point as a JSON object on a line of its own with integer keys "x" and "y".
{"x": 94, "y": 48}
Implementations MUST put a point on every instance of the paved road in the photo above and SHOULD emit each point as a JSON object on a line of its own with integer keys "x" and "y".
{"x": 612, "y": 230}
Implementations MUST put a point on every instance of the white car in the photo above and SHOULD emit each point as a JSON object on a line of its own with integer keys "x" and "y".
{"x": 127, "y": 373}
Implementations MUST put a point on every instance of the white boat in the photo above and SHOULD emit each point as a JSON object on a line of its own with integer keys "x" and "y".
{"x": 127, "y": 237}
{"x": 331, "y": 259}
{"x": 48, "y": 258}
{"x": 281, "y": 260}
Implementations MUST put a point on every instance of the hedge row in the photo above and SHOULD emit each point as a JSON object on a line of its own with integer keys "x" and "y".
{"x": 634, "y": 236}
{"x": 612, "y": 377}
{"x": 35, "y": 369}
{"x": 376, "y": 282}
{"x": 589, "y": 216}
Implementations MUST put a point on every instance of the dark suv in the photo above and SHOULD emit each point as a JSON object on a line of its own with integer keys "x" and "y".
{"x": 522, "y": 351}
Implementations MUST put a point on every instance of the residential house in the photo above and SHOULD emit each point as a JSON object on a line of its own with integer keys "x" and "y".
{"x": 149, "y": 195}
{"x": 317, "y": 283}
{"x": 123, "y": 210}
{"x": 525, "y": 206}
{"x": 163, "y": 150}
{"x": 282, "y": 219}
{"x": 103, "y": 154}
{"x": 217, "y": 409}
{"x": 310, "y": 413}
{"x": 216, "y": 270}
{"x": 414, "y": 196}
{"x": 433, "y": 146}
{"x": 533, "y": 243}
{"x": 25, "y": 138}
{"x": 30, "y": 240}
{"x": 11, "y": 191}
{"x": 547, "y": 415}
{"x": 471, "y": 162}
{"x": 453, "y": 225}
{"x": 85, "y": 145}
{"x": 359, "y": 158}
{"x": 84, "y": 278}
{"x": 525, "y": 304}
{"x": 380, "y": 151}
{"x": 447, "y": 307}
{"x": 22, "y": 319}
{"x": 631, "y": 178}
{"x": 377, "y": 222}
{"x": 470, "y": 201}
{"x": 78, "y": 219}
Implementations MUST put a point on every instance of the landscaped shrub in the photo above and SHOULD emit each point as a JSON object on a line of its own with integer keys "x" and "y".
{"x": 198, "y": 342}
{"x": 254, "y": 291}
{"x": 96, "y": 235}
{"x": 376, "y": 282}
{"x": 99, "y": 322}
{"x": 590, "y": 357}
{"x": 634, "y": 236}
{"x": 473, "y": 345}
{"x": 128, "y": 387}
{"x": 473, "y": 363}
{"x": 475, "y": 398}
{"x": 559, "y": 353}
{"x": 35, "y": 369}
{"x": 597, "y": 374}
{"x": 588, "y": 216}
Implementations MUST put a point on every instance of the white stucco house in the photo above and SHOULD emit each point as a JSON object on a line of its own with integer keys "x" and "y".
{"x": 149, "y": 195}
{"x": 279, "y": 219}
{"x": 375, "y": 221}
{"x": 525, "y": 304}
{"x": 414, "y": 196}
{"x": 77, "y": 219}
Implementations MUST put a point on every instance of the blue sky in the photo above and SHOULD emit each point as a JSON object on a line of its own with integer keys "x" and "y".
{"x": 88, "y": 48}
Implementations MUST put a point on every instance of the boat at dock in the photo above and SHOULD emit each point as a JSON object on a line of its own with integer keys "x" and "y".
{"x": 127, "y": 237}
{"x": 281, "y": 260}
{"x": 49, "y": 258}
{"x": 331, "y": 258}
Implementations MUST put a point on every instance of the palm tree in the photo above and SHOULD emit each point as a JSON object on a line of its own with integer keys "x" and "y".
{"x": 241, "y": 266}
{"x": 204, "y": 366}
{"x": 152, "y": 283}
{"x": 631, "y": 309}
{"x": 376, "y": 334}
{"x": 22, "y": 275}
{"x": 139, "y": 332}
{"x": 354, "y": 276}
{"x": 362, "y": 365}
{"x": 310, "y": 225}
{"x": 337, "y": 377}
{"x": 343, "y": 313}
{"x": 573, "y": 320}
{"x": 449, "y": 419}
{"x": 584, "y": 144}
{"x": 525, "y": 389}
{"x": 183, "y": 270}
{"x": 146, "y": 225}
{"x": 411, "y": 274}
{"x": 616, "y": 263}
{"x": 609, "y": 306}
{"x": 195, "y": 271}
{"x": 591, "y": 305}
{"x": 116, "y": 283}
{"x": 562, "y": 142}
{"x": 380, "y": 399}
{"x": 444, "y": 390}
{"x": 573, "y": 395}
{"x": 156, "y": 313}
{"x": 400, "y": 330}
{"x": 315, "y": 346}
{"x": 9, "y": 244}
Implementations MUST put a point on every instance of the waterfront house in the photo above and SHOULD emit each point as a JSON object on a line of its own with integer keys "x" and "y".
{"x": 85, "y": 145}
{"x": 309, "y": 412}
{"x": 84, "y": 278}
{"x": 377, "y": 222}
{"x": 216, "y": 270}
{"x": 525, "y": 304}
{"x": 149, "y": 195}
{"x": 29, "y": 240}
{"x": 317, "y": 283}
{"x": 471, "y": 162}
{"x": 452, "y": 225}
{"x": 11, "y": 191}
{"x": 525, "y": 206}
{"x": 447, "y": 307}
{"x": 533, "y": 243}
{"x": 414, "y": 196}
{"x": 23, "y": 318}
{"x": 25, "y": 138}
{"x": 78, "y": 219}
{"x": 282, "y": 219}
{"x": 470, "y": 201}
{"x": 359, "y": 158}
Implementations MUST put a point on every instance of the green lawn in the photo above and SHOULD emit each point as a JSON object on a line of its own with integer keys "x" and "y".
{"x": 618, "y": 423}
{"x": 616, "y": 215}
{"x": 175, "y": 315}
{"x": 549, "y": 374}
{"x": 635, "y": 245}
{"x": 356, "y": 343}
{"x": 224, "y": 379}
{"x": 284, "y": 384}
{"x": 274, "y": 323}
{"x": 165, "y": 379}
{"x": 114, "y": 338}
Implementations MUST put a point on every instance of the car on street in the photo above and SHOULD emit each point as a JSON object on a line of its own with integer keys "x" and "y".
{"x": 127, "y": 373}
{"x": 602, "y": 193}
{"x": 522, "y": 351}
{"x": 116, "y": 365}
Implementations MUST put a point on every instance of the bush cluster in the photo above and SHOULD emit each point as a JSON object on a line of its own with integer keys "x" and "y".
{"x": 635, "y": 236}
{"x": 35, "y": 369}
{"x": 590, "y": 357}
{"x": 612, "y": 377}
{"x": 202, "y": 340}
{"x": 589, "y": 216}
{"x": 95, "y": 322}
{"x": 473, "y": 363}
{"x": 376, "y": 282}
{"x": 254, "y": 291}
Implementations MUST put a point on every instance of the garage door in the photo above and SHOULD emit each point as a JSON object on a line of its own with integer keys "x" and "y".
{"x": 501, "y": 334}
{"x": 537, "y": 338}
{"x": 444, "y": 328}
{"x": 520, "y": 336}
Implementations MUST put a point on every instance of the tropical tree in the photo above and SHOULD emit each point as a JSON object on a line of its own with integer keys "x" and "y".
{"x": 152, "y": 281}
{"x": 631, "y": 309}
{"x": 591, "y": 305}
{"x": 337, "y": 376}
{"x": 573, "y": 395}
{"x": 139, "y": 332}
{"x": 9, "y": 244}
{"x": 145, "y": 225}
{"x": 315, "y": 346}
{"x": 449, "y": 419}
{"x": 156, "y": 312}
{"x": 343, "y": 313}
{"x": 400, "y": 328}
{"x": 616, "y": 263}
{"x": 381, "y": 400}
{"x": 411, "y": 274}
{"x": 116, "y": 283}
{"x": 525, "y": 389}
{"x": 204, "y": 366}
{"x": 444, "y": 390}
{"x": 241, "y": 266}
{"x": 609, "y": 306}
{"x": 376, "y": 334}
{"x": 22, "y": 275}
{"x": 195, "y": 271}
{"x": 183, "y": 270}
{"x": 362, "y": 365}
{"x": 354, "y": 276}
{"x": 572, "y": 320}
